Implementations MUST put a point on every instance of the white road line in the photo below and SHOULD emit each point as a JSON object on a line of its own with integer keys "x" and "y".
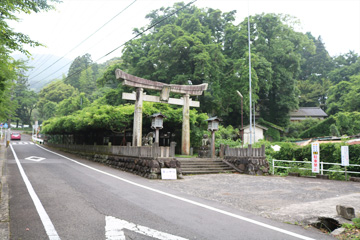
{"x": 48, "y": 225}
{"x": 114, "y": 230}
{"x": 189, "y": 201}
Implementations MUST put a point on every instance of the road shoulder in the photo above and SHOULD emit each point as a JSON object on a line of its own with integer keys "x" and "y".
{"x": 4, "y": 197}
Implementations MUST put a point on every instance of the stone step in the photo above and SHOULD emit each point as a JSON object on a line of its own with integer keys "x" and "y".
{"x": 204, "y": 166}
{"x": 207, "y": 171}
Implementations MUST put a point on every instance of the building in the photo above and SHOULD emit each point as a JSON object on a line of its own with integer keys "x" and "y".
{"x": 307, "y": 112}
{"x": 259, "y": 133}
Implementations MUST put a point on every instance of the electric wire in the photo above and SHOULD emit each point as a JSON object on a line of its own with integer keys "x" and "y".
{"x": 86, "y": 38}
{"x": 48, "y": 57}
{"x": 137, "y": 35}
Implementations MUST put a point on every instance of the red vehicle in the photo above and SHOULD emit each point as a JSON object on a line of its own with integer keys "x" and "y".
{"x": 15, "y": 136}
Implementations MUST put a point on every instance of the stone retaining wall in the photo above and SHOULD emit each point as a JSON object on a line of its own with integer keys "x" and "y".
{"x": 143, "y": 166}
{"x": 249, "y": 165}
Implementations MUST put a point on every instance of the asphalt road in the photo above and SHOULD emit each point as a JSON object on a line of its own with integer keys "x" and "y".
{"x": 56, "y": 197}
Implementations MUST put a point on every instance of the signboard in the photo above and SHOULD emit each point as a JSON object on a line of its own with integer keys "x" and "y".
{"x": 5, "y": 125}
{"x": 315, "y": 157}
{"x": 344, "y": 155}
{"x": 168, "y": 173}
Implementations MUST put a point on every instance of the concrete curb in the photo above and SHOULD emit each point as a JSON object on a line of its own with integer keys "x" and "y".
{"x": 4, "y": 197}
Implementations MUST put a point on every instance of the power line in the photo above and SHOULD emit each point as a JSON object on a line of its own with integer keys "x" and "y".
{"x": 86, "y": 38}
{"x": 137, "y": 35}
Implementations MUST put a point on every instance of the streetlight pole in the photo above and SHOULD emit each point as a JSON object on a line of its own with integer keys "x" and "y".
{"x": 242, "y": 127}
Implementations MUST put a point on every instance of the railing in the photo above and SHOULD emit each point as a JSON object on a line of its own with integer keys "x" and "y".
{"x": 322, "y": 170}
{"x": 36, "y": 139}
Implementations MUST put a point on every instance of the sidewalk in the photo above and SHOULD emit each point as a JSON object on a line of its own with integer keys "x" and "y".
{"x": 4, "y": 196}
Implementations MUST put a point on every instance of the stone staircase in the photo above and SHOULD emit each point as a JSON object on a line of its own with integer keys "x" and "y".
{"x": 203, "y": 166}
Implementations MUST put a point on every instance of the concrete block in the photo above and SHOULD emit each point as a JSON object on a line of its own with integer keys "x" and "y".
{"x": 345, "y": 211}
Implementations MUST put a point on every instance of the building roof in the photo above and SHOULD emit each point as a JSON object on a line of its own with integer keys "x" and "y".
{"x": 256, "y": 125}
{"x": 308, "y": 112}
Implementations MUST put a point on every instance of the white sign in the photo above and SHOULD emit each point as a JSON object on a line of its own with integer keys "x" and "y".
{"x": 344, "y": 155}
{"x": 315, "y": 157}
{"x": 168, "y": 173}
{"x": 114, "y": 230}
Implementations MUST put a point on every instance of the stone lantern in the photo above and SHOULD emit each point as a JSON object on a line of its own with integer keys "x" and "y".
{"x": 213, "y": 126}
{"x": 157, "y": 123}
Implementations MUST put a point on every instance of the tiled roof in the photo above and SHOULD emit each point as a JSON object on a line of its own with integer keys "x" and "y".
{"x": 308, "y": 112}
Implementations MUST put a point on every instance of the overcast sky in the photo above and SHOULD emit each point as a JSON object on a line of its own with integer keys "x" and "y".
{"x": 336, "y": 21}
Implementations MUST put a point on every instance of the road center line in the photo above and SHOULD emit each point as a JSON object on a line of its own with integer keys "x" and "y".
{"x": 187, "y": 200}
{"x": 45, "y": 219}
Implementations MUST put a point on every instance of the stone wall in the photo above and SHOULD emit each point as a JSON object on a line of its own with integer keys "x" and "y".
{"x": 249, "y": 165}
{"x": 147, "y": 167}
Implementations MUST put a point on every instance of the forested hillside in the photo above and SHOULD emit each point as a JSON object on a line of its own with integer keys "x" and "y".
{"x": 289, "y": 69}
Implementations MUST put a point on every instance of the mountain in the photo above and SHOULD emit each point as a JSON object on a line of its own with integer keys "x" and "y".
{"x": 44, "y": 69}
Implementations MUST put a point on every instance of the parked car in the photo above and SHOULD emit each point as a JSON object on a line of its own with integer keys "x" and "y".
{"x": 15, "y": 136}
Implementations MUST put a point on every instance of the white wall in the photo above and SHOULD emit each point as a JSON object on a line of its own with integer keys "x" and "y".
{"x": 259, "y": 134}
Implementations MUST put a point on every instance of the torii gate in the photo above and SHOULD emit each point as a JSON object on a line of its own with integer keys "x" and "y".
{"x": 140, "y": 96}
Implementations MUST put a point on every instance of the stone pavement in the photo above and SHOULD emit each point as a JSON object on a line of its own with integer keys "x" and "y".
{"x": 294, "y": 200}
{"x": 4, "y": 196}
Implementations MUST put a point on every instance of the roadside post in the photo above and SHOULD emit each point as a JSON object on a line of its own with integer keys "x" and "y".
{"x": 345, "y": 158}
{"x": 315, "y": 157}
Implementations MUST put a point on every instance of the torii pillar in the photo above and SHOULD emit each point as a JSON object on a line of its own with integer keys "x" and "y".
{"x": 185, "y": 136}
{"x": 140, "y": 84}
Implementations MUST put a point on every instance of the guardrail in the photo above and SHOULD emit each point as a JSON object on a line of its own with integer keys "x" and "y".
{"x": 39, "y": 140}
{"x": 322, "y": 170}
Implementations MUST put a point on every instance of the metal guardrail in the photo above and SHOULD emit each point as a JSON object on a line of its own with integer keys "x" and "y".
{"x": 322, "y": 170}
{"x": 35, "y": 139}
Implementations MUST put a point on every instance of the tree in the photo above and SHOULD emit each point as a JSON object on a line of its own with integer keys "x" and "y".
{"x": 54, "y": 92}
{"x": 26, "y": 101}
{"x": 274, "y": 39}
{"x": 11, "y": 41}
{"x": 82, "y": 67}
{"x": 70, "y": 105}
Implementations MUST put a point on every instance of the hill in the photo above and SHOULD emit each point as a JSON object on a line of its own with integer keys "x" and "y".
{"x": 44, "y": 69}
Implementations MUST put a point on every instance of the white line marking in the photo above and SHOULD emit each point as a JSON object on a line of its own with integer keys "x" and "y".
{"x": 114, "y": 230}
{"x": 188, "y": 201}
{"x": 48, "y": 225}
{"x": 35, "y": 159}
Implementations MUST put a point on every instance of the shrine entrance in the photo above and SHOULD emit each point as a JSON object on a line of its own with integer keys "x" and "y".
{"x": 139, "y": 96}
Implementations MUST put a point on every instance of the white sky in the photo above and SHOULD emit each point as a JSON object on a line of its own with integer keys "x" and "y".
{"x": 336, "y": 21}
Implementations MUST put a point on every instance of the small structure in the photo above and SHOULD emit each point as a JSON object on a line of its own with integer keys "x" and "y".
{"x": 213, "y": 126}
{"x": 259, "y": 133}
{"x": 157, "y": 123}
{"x": 307, "y": 112}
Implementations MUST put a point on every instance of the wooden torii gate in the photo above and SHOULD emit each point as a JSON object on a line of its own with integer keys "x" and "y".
{"x": 139, "y": 96}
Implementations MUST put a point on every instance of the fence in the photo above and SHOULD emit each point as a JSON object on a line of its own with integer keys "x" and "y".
{"x": 144, "y": 151}
{"x": 322, "y": 170}
{"x": 245, "y": 152}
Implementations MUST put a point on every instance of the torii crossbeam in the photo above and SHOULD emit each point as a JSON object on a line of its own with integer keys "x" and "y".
{"x": 140, "y": 84}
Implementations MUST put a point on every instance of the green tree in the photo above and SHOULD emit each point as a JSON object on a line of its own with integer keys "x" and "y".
{"x": 26, "y": 101}
{"x": 11, "y": 41}
{"x": 336, "y": 97}
{"x": 72, "y": 104}
{"x": 82, "y": 65}
{"x": 54, "y": 92}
